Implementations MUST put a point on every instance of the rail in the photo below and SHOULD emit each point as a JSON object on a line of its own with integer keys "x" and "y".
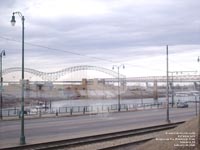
{"x": 79, "y": 110}
{"x": 122, "y": 146}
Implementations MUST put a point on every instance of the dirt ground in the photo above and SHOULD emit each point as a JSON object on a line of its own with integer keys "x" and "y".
{"x": 183, "y": 137}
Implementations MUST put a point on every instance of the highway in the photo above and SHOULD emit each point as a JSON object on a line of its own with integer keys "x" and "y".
{"x": 49, "y": 129}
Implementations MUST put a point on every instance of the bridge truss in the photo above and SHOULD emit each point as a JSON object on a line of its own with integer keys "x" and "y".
{"x": 53, "y": 76}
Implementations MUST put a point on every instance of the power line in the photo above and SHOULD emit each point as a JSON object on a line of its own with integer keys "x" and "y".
{"x": 73, "y": 53}
{"x": 55, "y": 49}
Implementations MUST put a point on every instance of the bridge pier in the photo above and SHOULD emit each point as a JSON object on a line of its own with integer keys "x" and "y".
{"x": 196, "y": 86}
{"x": 155, "y": 90}
{"x": 147, "y": 85}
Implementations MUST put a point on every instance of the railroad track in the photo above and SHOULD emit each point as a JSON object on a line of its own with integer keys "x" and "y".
{"x": 120, "y": 146}
{"x": 69, "y": 143}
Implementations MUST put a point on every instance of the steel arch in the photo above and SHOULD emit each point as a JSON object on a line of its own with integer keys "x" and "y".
{"x": 52, "y": 76}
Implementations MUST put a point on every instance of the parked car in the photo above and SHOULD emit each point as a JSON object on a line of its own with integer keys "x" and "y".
{"x": 182, "y": 105}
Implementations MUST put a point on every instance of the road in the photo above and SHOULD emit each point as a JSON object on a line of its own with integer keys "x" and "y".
{"x": 49, "y": 129}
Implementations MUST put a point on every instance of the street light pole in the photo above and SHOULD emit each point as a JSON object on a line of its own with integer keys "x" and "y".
{"x": 119, "y": 97}
{"x": 22, "y": 136}
{"x": 3, "y": 53}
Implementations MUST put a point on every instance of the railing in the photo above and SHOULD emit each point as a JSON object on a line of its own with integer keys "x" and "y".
{"x": 79, "y": 110}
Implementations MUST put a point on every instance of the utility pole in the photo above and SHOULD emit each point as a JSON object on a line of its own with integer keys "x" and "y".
{"x": 198, "y": 60}
{"x": 167, "y": 89}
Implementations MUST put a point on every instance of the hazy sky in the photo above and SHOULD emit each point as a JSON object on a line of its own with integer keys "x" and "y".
{"x": 65, "y": 33}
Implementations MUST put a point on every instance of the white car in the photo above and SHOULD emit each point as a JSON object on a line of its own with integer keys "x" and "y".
{"x": 182, "y": 105}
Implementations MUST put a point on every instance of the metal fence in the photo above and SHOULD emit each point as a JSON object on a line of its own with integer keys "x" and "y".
{"x": 79, "y": 110}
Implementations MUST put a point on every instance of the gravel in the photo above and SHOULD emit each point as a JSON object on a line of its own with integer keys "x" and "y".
{"x": 183, "y": 137}
{"x": 174, "y": 139}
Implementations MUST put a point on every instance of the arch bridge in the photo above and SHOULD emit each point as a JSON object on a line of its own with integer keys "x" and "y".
{"x": 53, "y": 76}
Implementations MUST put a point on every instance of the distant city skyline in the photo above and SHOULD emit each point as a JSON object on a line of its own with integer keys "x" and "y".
{"x": 66, "y": 33}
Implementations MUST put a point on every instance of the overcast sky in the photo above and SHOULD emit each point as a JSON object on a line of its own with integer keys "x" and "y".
{"x": 66, "y": 33}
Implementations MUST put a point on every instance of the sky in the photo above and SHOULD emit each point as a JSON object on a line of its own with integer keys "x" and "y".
{"x": 103, "y": 33}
